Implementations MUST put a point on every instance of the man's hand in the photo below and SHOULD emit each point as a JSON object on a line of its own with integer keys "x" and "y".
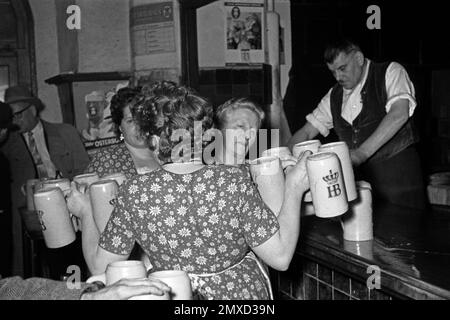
{"x": 358, "y": 157}
{"x": 128, "y": 288}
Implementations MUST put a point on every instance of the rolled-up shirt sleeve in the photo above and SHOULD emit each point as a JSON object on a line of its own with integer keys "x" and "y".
{"x": 399, "y": 86}
{"x": 321, "y": 117}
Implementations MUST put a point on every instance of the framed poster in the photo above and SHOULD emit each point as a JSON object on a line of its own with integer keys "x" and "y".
{"x": 152, "y": 29}
{"x": 244, "y": 37}
{"x": 93, "y": 114}
{"x": 85, "y": 102}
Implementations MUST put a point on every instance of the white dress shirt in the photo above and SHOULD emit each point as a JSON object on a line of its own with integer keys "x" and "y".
{"x": 39, "y": 137}
{"x": 398, "y": 86}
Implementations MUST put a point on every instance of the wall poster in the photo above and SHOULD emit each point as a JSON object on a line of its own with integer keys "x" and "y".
{"x": 93, "y": 114}
{"x": 152, "y": 29}
{"x": 244, "y": 36}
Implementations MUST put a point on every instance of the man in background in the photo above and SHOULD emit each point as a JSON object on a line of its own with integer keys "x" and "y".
{"x": 37, "y": 149}
{"x": 370, "y": 108}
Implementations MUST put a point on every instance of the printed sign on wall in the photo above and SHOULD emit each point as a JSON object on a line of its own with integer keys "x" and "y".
{"x": 244, "y": 36}
{"x": 93, "y": 113}
{"x": 152, "y": 29}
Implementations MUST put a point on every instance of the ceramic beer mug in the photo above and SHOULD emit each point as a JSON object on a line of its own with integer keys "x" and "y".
{"x": 87, "y": 178}
{"x": 63, "y": 184}
{"x": 119, "y": 177}
{"x": 84, "y": 181}
{"x": 298, "y": 149}
{"x": 326, "y": 184}
{"x": 54, "y": 217}
{"x": 130, "y": 269}
{"x": 357, "y": 222}
{"x": 343, "y": 153}
{"x": 280, "y": 152}
{"x": 178, "y": 280}
{"x": 115, "y": 271}
{"x": 268, "y": 176}
{"x": 102, "y": 194}
{"x": 311, "y": 145}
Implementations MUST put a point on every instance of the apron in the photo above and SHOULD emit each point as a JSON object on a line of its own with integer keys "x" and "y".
{"x": 197, "y": 279}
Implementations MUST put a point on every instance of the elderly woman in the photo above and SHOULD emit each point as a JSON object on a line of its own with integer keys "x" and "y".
{"x": 239, "y": 120}
{"x": 133, "y": 155}
{"x": 203, "y": 219}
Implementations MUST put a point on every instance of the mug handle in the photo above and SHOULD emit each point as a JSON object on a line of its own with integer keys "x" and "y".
{"x": 288, "y": 162}
{"x": 99, "y": 277}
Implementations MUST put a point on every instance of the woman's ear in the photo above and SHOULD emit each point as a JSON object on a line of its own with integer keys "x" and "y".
{"x": 153, "y": 142}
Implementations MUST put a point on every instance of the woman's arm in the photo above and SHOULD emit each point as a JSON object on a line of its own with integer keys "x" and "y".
{"x": 278, "y": 251}
{"x": 97, "y": 258}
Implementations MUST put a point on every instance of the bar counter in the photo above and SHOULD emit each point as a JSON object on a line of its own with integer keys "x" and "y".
{"x": 411, "y": 249}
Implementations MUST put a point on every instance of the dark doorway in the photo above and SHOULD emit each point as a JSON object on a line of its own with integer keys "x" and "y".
{"x": 17, "y": 67}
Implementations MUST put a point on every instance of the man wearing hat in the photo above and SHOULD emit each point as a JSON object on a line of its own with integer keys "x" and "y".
{"x": 37, "y": 149}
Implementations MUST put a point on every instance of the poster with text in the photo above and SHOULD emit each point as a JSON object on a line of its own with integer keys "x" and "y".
{"x": 244, "y": 37}
{"x": 92, "y": 101}
{"x": 152, "y": 29}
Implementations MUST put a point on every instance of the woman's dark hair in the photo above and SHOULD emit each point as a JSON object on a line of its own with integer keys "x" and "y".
{"x": 123, "y": 98}
{"x": 168, "y": 107}
{"x": 220, "y": 115}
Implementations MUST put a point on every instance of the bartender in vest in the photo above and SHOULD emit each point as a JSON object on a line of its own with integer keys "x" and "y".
{"x": 370, "y": 108}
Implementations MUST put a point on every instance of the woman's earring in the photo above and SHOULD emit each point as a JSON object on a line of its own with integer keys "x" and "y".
{"x": 121, "y": 137}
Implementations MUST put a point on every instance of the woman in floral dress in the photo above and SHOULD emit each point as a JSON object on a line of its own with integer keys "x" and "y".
{"x": 131, "y": 155}
{"x": 203, "y": 219}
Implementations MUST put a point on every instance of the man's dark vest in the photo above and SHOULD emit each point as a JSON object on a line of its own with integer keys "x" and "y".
{"x": 374, "y": 98}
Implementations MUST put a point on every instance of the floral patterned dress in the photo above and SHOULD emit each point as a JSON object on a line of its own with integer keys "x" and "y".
{"x": 203, "y": 223}
{"x": 112, "y": 159}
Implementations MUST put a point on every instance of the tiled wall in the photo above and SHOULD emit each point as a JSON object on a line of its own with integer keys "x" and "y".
{"x": 308, "y": 280}
{"x": 221, "y": 84}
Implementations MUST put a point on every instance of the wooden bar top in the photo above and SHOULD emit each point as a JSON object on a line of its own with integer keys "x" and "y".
{"x": 411, "y": 248}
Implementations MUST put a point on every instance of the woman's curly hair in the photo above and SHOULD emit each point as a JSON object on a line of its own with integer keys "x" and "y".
{"x": 164, "y": 108}
{"x": 123, "y": 98}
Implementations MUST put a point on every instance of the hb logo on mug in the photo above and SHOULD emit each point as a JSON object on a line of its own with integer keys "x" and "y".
{"x": 334, "y": 189}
